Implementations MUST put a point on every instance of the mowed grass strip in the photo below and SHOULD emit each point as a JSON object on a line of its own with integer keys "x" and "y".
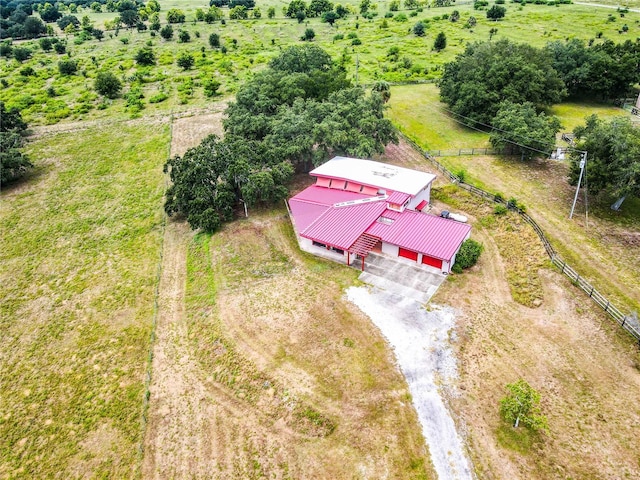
{"x": 79, "y": 251}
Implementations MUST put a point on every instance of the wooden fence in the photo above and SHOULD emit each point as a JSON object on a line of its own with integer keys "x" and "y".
{"x": 625, "y": 321}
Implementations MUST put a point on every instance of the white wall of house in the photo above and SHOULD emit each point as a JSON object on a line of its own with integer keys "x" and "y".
{"x": 308, "y": 246}
{"x": 424, "y": 194}
{"x": 389, "y": 249}
{"x": 446, "y": 266}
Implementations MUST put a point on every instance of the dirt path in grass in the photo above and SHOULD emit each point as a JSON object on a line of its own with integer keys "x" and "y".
{"x": 180, "y": 414}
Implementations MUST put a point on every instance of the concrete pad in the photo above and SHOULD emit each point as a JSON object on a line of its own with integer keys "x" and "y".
{"x": 401, "y": 277}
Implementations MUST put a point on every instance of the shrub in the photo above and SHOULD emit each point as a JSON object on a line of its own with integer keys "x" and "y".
{"x": 214, "y": 40}
{"x": 467, "y": 256}
{"x": 185, "y": 61}
{"x": 183, "y": 36}
{"x": 309, "y": 35}
{"x": 27, "y": 72}
{"x": 158, "y": 97}
{"x": 60, "y": 48}
{"x": 401, "y": 17}
{"x": 500, "y": 209}
{"x": 67, "y": 67}
{"x": 145, "y": 56}
{"x": 356, "y": 41}
{"x": 107, "y": 84}
{"x": 46, "y": 44}
{"x": 419, "y": 29}
{"x": 21, "y": 54}
{"x": 211, "y": 87}
{"x": 337, "y": 37}
{"x": 166, "y": 32}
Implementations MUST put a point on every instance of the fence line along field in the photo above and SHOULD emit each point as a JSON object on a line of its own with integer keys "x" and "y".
{"x": 79, "y": 251}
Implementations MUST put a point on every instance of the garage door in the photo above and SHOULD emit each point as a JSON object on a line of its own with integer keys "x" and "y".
{"x": 434, "y": 262}
{"x": 408, "y": 254}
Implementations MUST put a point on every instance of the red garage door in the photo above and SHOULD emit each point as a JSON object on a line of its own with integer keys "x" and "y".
{"x": 408, "y": 254}
{"x": 434, "y": 262}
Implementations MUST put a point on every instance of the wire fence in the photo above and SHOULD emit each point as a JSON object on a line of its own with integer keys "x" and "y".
{"x": 629, "y": 323}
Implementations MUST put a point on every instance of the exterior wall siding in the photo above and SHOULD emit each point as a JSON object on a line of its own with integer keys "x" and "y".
{"x": 389, "y": 249}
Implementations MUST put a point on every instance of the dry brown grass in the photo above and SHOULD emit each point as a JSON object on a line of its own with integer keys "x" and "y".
{"x": 312, "y": 384}
{"x": 583, "y": 365}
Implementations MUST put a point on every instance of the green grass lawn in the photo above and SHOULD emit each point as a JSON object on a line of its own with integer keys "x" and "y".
{"x": 79, "y": 250}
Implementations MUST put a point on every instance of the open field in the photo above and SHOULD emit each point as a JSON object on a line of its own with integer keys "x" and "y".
{"x": 584, "y": 366}
{"x": 79, "y": 250}
{"x": 48, "y": 97}
{"x": 606, "y": 251}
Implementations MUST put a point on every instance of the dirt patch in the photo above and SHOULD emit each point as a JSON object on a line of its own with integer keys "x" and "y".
{"x": 189, "y": 131}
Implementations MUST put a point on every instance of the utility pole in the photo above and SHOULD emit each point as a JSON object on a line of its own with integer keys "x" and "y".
{"x": 583, "y": 164}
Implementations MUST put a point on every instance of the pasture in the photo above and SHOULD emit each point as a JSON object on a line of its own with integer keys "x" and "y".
{"x": 45, "y": 96}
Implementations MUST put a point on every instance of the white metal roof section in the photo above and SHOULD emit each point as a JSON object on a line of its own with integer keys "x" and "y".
{"x": 382, "y": 175}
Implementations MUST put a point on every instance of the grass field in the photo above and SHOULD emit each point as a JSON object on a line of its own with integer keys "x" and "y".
{"x": 609, "y": 238}
{"x": 79, "y": 251}
{"x": 48, "y": 97}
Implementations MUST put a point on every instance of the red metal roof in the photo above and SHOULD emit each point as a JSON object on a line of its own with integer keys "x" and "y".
{"x": 327, "y": 196}
{"x": 397, "y": 197}
{"x": 340, "y": 227}
{"x": 424, "y": 233}
{"x": 304, "y": 213}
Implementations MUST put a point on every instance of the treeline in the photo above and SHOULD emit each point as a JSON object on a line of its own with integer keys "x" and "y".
{"x": 503, "y": 87}
{"x": 297, "y": 113}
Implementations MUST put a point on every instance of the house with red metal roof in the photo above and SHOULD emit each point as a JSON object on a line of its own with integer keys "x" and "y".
{"x": 360, "y": 206}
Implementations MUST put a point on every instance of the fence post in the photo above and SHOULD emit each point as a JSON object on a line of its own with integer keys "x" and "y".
{"x": 591, "y": 292}
{"x": 607, "y": 307}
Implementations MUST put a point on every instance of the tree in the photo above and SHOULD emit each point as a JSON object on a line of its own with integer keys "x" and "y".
{"x": 166, "y": 32}
{"x": 296, "y": 6}
{"x": 440, "y": 43}
{"x": 183, "y": 36}
{"x": 496, "y": 12}
{"x": 488, "y": 73}
{"x": 49, "y": 13}
{"x": 613, "y": 157}
{"x": 492, "y": 32}
{"x": 419, "y": 29}
{"x": 411, "y": 4}
{"x": 96, "y": 7}
{"x": 471, "y": 22}
{"x": 21, "y": 53}
{"x": 519, "y": 129}
{"x": 130, "y": 18}
{"x": 13, "y": 162}
{"x": 364, "y": 6}
{"x": 330, "y": 17}
{"x": 185, "y": 61}
{"x": 175, "y": 16}
{"x": 455, "y": 16}
{"x": 11, "y": 120}
{"x": 239, "y": 12}
{"x": 145, "y": 56}
{"x": 214, "y": 40}
{"x": 318, "y": 7}
{"x": 271, "y": 12}
{"x": 257, "y": 13}
{"x": 383, "y": 89}
{"x": 67, "y": 67}
{"x": 213, "y": 14}
{"x": 67, "y": 20}
{"x": 211, "y": 87}
{"x": 45, "y": 44}
{"x": 33, "y": 27}
{"x": 394, "y": 5}
{"x": 107, "y": 84}
{"x": 297, "y": 112}
{"x": 309, "y": 35}
{"x": 521, "y": 405}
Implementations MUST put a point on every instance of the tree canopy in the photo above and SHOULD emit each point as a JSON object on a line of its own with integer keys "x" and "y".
{"x": 518, "y": 128}
{"x": 488, "y": 73}
{"x": 605, "y": 70}
{"x": 521, "y": 406}
{"x": 13, "y": 162}
{"x": 613, "y": 162}
{"x": 295, "y": 114}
